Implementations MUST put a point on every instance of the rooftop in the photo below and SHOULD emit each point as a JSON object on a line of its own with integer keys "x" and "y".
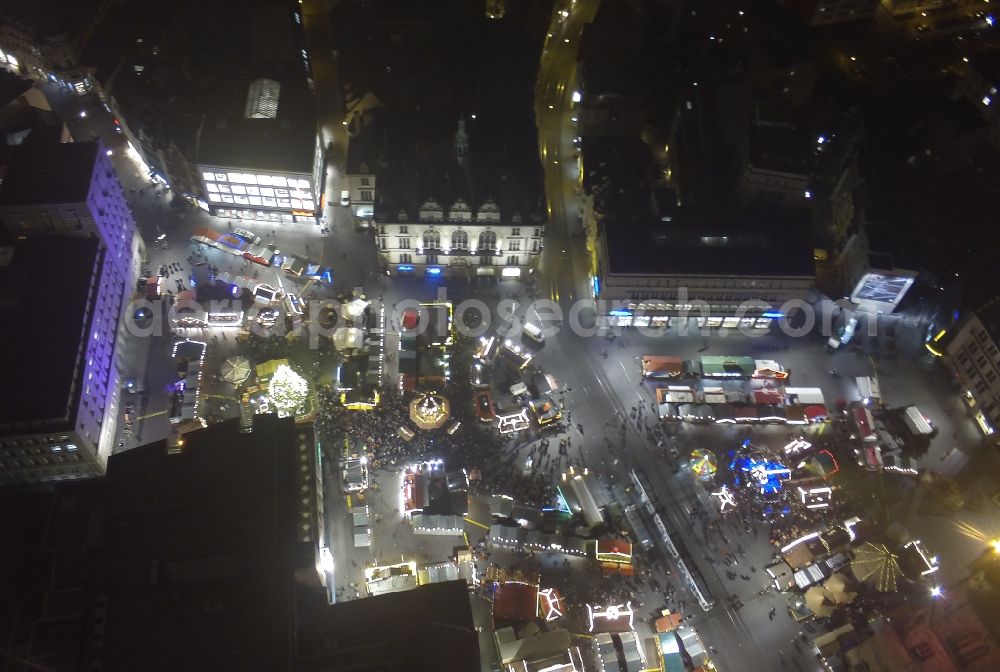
{"x": 366, "y": 149}
{"x": 427, "y": 628}
{"x": 199, "y": 560}
{"x": 609, "y": 64}
{"x": 760, "y": 241}
{"x": 435, "y": 68}
{"x": 780, "y": 146}
{"x": 53, "y": 174}
{"x": 285, "y": 143}
{"x": 30, "y": 288}
{"x": 176, "y": 81}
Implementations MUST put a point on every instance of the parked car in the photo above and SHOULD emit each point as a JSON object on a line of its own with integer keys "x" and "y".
{"x": 248, "y": 236}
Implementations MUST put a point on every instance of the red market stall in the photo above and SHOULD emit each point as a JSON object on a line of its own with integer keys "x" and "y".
{"x": 816, "y": 413}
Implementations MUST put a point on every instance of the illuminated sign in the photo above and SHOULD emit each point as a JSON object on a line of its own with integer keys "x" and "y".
{"x": 816, "y": 498}
{"x": 618, "y": 617}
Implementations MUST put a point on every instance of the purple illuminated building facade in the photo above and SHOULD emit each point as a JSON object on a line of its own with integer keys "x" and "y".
{"x": 70, "y": 272}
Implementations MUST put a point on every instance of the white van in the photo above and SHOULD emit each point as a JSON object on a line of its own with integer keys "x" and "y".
{"x": 534, "y": 333}
{"x": 345, "y": 198}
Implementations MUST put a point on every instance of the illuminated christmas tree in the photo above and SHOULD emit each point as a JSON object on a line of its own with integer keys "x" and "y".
{"x": 288, "y": 390}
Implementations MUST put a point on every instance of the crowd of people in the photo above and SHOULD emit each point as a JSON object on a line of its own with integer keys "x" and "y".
{"x": 789, "y": 518}
{"x": 383, "y": 434}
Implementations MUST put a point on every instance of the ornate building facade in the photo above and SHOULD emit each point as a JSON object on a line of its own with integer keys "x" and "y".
{"x": 459, "y": 241}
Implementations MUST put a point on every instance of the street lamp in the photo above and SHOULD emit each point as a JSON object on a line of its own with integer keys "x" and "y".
{"x": 996, "y": 545}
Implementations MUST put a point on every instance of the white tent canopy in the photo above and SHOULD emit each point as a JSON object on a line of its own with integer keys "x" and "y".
{"x": 235, "y": 370}
{"x": 354, "y": 309}
{"x": 916, "y": 421}
{"x": 346, "y": 338}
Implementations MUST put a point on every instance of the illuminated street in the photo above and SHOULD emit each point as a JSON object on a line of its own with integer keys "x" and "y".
{"x": 569, "y": 336}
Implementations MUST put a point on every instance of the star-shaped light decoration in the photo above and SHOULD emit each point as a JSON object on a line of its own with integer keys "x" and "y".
{"x": 725, "y": 499}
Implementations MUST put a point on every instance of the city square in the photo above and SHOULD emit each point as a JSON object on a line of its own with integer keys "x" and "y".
{"x": 523, "y": 364}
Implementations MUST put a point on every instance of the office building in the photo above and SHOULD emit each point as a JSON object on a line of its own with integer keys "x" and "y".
{"x": 655, "y": 261}
{"x": 234, "y": 128}
{"x": 744, "y": 264}
{"x": 79, "y": 241}
{"x": 261, "y": 157}
{"x": 58, "y": 323}
{"x": 72, "y": 189}
{"x": 972, "y": 350}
